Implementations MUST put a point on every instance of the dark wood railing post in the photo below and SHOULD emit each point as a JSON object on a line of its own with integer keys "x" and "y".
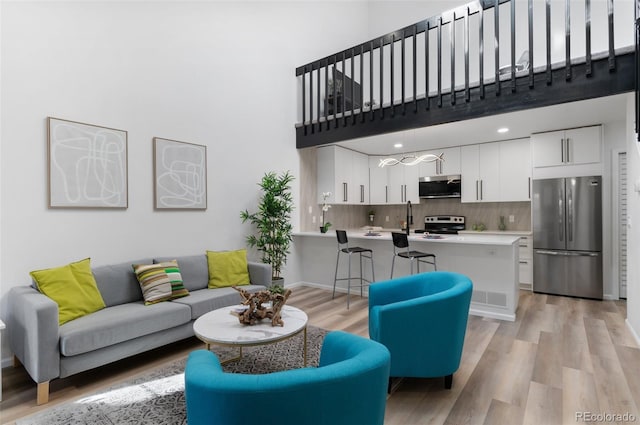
{"x": 496, "y": 32}
{"x": 426, "y": 67}
{"x": 311, "y": 99}
{"x": 452, "y": 42}
{"x": 481, "y": 53}
{"x": 587, "y": 29}
{"x": 467, "y": 94}
{"x": 567, "y": 38}
{"x": 392, "y": 64}
{"x": 513, "y": 46}
{"x": 402, "y": 68}
{"x": 548, "y": 39}
{"x": 304, "y": 99}
{"x": 371, "y": 81}
{"x": 415, "y": 70}
{"x": 440, "y": 62}
{"x": 382, "y": 78}
{"x": 612, "y": 53}
{"x": 530, "y": 11}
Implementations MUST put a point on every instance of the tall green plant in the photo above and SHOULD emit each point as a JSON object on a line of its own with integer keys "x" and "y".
{"x": 272, "y": 220}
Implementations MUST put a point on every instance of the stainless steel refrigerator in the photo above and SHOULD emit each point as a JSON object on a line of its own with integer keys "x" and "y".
{"x": 567, "y": 236}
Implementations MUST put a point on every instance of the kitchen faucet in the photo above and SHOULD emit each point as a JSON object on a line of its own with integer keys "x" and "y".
{"x": 409, "y": 216}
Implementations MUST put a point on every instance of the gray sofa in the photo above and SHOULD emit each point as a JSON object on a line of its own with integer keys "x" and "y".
{"x": 124, "y": 328}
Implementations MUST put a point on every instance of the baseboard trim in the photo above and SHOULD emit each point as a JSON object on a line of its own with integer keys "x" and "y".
{"x": 492, "y": 315}
{"x": 633, "y": 332}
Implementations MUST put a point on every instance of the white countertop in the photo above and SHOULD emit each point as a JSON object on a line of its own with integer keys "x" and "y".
{"x": 497, "y": 232}
{"x": 474, "y": 238}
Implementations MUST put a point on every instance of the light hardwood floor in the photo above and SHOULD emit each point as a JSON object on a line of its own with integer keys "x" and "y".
{"x": 561, "y": 358}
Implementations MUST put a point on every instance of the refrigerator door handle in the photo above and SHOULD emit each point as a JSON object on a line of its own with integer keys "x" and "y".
{"x": 561, "y": 218}
{"x": 570, "y": 215}
{"x": 582, "y": 254}
{"x": 545, "y": 252}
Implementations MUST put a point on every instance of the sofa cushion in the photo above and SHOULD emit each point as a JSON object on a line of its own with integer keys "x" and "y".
{"x": 205, "y": 300}
{"x": 119, "y": 323}
{"x": 193, "y": 269}
{"x": 72, "y": 287}
{"x": 172, "y": 270}
{"x": 228, "y": 268}
{"x": 154, "y": 282}
{"x": 118, "y": 283}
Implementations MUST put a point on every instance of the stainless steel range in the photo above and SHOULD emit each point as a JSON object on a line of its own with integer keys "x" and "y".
{"x": 442, "y": 224}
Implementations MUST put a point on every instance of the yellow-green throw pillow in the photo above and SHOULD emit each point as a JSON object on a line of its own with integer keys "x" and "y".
{"x": 154, "y": 282}
{"x": 227, "y": 268}
{"x": 72, "y": 287}
{"x": 172, "y": 270}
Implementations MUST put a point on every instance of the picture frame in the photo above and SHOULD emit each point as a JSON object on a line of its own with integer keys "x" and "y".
{"x": 87, "y": 165}
{"x": 180, "y": 175}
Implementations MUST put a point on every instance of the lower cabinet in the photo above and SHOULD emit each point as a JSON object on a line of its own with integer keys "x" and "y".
{"x": 526, "y": 262}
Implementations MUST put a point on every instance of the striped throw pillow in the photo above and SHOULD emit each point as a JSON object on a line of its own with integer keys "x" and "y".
{"x": 175, "y": 277}
{"x": 154, "y": 282}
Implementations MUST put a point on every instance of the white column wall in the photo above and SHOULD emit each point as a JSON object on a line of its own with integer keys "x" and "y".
{"x": 633, "y": 221}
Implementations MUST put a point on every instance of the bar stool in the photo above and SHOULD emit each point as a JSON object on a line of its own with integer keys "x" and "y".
{"x": 363, "y": 252}
{"x": 401, "y": 242}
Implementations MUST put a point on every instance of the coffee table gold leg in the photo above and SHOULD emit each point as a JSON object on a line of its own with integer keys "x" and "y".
{"x": 304, "y": 350}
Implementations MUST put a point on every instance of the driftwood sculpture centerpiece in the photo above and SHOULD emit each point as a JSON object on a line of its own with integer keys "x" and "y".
{"x": 257, "y": 311}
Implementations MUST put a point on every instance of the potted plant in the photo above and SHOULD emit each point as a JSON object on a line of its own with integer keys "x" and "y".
{"x": 273, "y": 222}
{"x": 325, "y": 207}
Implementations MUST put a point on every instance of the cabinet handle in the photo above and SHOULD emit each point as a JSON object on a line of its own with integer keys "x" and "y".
{"x": 567, "y": 144}
{"x": 481, "y": 194}
{"x": 524, "y": 262}
{"x": 362, "y": 193}
{"x": 344, "y": 192}
{"x": 562, "y": 150}
{"x": 477, "y": 191}
{"x": 386, "y": 194}
{"x": 529, "y": 184}
{"x": 405, "y": 193}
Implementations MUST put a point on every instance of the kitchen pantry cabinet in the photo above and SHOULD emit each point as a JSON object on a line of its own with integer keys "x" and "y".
{"x": 450, "y": 165}
{"x": 344, "y": 173}
{"x": 403, "y": 184}
{"x": 526, "y": 262}
{"x": 567, "y": 147}
{"x": 496, "y": 172}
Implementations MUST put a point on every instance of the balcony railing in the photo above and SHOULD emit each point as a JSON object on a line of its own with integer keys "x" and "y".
{"x": 485, "y": 57}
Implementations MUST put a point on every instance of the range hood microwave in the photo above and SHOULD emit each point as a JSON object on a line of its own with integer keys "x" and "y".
{"x": 440, "y": 187}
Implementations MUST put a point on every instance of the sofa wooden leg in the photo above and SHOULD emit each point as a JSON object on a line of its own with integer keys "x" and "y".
{"x": 43, "y": 393}
{"x": 448, "y": 381}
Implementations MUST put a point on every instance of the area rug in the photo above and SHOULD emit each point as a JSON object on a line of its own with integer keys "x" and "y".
{"x": 157, "y": 397}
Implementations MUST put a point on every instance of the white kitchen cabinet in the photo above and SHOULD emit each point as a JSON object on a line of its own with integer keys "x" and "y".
{"x": 403, "y": 183}
{"x": 449, "y": 166}
{"x": 526, "y": 262}
{"x": 378, "y": 181}
{"x": 567, "y": 147}
{"x": 496, "y": 172}
{"x": 480, "y": 172}
{"x": 344, "y": 173}
{"x": 515, "y": 170}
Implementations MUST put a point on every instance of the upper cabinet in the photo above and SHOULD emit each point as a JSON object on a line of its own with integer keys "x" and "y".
{"x": 450, "y": 164}
{"x": 403, "y": 183}
{"x": 496, "y": 172}
{"x": 344, "y": 173}
{"x": 378, "y": 182}
{"x": 577, "y": 151}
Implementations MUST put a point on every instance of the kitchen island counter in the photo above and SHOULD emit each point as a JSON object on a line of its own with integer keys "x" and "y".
{"x": 490, "y": 261}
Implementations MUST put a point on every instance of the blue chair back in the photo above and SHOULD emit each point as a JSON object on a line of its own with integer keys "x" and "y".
{"x": 348, "y": 387}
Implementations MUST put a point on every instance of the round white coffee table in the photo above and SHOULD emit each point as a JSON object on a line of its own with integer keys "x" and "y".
{"x": 220, "y": 327}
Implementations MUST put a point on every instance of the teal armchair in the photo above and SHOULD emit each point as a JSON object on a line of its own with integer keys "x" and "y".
{"x": 422, "y": 320}
{"x": 348, "y": 387}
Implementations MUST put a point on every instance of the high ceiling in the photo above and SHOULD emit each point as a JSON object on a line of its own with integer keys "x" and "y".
{"x": 521, "y": 124}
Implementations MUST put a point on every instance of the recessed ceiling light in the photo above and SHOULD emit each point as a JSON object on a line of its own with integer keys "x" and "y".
{"x": 397, "y": 145}
{"x": 503, "y": 130}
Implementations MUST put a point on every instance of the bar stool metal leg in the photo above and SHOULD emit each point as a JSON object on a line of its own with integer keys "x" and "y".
{"x": 335, "y": 277}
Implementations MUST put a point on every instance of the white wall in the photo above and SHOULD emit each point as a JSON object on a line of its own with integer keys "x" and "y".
{"x": 220, "y": 74}
{"x": 633, "y": 223}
